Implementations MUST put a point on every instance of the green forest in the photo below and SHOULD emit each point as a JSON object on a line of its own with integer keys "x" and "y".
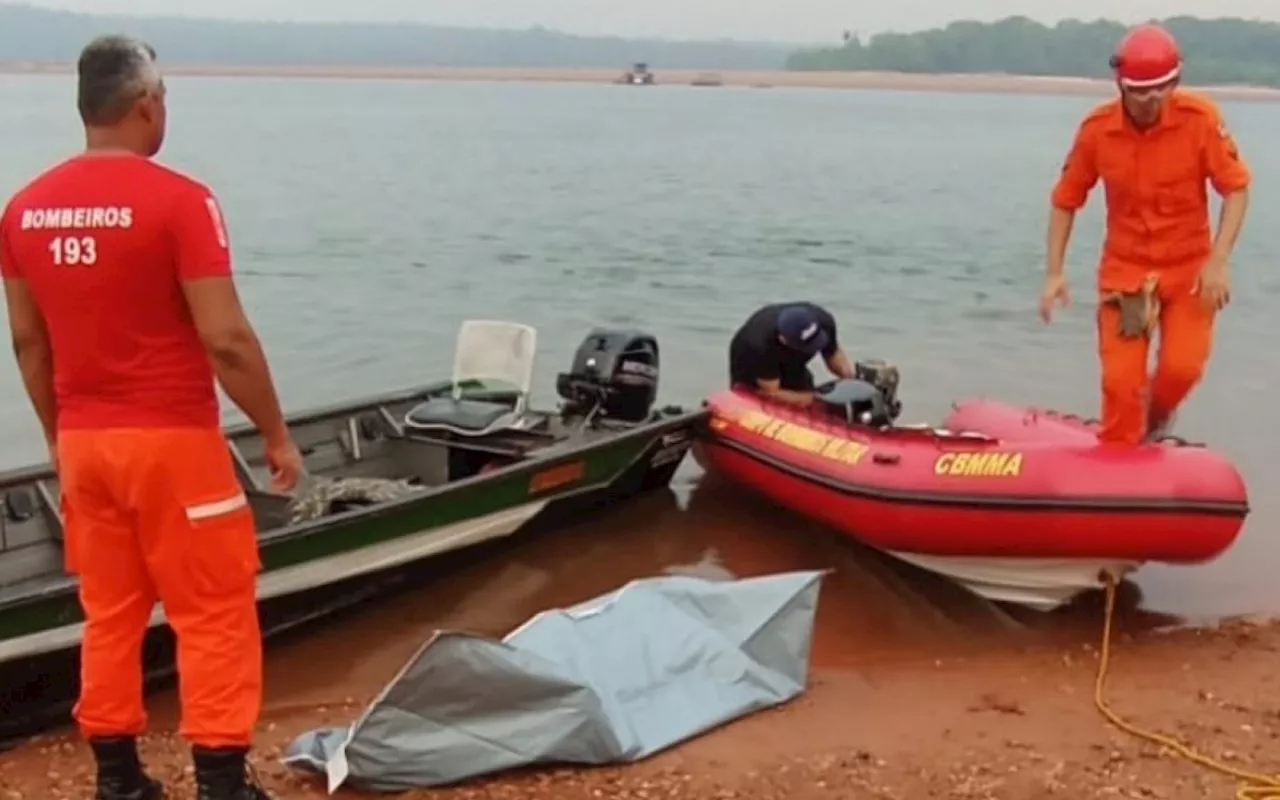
{"x": 39, "y": 35}
{"x": 1217, "y": 51}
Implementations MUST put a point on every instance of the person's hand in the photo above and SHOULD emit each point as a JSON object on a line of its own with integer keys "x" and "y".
{"x": 52, "y": 444}
{"x": 1054, "y": 293}
{"x": 285, "y": 463}
{"x": 1213, "y": 286}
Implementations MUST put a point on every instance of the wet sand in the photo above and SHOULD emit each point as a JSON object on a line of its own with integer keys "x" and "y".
{"x": 1007, "y": 725}
{"x": 899, "y": 81}
{"x": 917, "y": 688}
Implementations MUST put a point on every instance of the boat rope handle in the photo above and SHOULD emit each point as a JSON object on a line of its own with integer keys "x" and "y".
{"x": 1254, "y": 785}
{"x": 1179, "y": 441}
{"x": 1033, "y": 413}
{"x": 937, "y": 435}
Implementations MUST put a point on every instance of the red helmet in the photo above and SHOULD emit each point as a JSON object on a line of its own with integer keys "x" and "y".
{"x": 1146, "y": 56}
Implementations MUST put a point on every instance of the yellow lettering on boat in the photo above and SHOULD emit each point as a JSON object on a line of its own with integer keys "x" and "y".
{"x": 804, "y": 439}
{"x": 755, "y": 421}
{"x": 979, "y": 465}
{"x": 844, "y": 451}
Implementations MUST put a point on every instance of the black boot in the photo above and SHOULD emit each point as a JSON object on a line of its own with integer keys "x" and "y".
{"x": 120, "y": 774}
{"x": 223, "y": 774}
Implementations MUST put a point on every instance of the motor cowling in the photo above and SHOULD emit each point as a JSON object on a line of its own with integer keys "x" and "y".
{"x": 868, "y": 399}
{"x": 615, "y": 373}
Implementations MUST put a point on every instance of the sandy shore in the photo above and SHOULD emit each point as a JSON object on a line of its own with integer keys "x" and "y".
{"x": 1016, "y": 724}
{"x": 732, "y": 78}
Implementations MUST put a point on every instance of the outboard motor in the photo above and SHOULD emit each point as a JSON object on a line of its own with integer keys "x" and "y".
{"x": 614, "y": 372}
{"x": 885, "y": 377}
{"x": 869, "y": 399}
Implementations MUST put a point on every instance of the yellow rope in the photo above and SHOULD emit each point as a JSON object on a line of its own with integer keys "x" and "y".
{"x": 1254, "y": 785}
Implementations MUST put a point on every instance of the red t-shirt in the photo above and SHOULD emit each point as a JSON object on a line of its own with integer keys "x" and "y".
{"x": 103, "y": 242}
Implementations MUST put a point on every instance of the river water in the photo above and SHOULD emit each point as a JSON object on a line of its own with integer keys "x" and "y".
{"x": 369, "y": 218}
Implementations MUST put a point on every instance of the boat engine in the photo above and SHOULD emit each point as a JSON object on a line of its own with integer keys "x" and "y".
{"x": 885, "y": 377}
{"x": 614, "y": 373}
{"x": 869, "y": 399}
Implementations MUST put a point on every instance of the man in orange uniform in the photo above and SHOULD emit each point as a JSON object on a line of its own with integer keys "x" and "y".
{"x": 118, "y": 284}
{"x": 1154, "y": 147}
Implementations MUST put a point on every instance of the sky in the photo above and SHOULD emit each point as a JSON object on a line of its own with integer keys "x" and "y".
{"x": 762, "y": 20}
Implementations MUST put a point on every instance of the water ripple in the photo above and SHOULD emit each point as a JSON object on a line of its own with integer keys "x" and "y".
{"x": 421, "y": 205}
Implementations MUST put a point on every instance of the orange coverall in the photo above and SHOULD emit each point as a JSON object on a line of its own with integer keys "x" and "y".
{"x": 1157, "y": 224}
{"x": 163, "y": 507}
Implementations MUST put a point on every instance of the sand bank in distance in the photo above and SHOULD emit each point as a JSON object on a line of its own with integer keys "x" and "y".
{"x": 683, "y": 77}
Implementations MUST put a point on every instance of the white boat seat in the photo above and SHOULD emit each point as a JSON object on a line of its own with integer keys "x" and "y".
{"x": 487, "y": 352}
{"x": 462, "y": 416}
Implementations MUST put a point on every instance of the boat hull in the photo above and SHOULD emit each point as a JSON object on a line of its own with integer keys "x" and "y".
{"x": 314, "y": 570}
{"x": 1017, "y": 511}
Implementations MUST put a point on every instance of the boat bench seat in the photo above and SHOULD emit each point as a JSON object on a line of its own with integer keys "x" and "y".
{"x": 462, "y": 416}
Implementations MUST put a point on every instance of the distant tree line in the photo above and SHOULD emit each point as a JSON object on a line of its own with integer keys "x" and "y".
{"x": 30, "y": 34}
{"x": 1217, "y": 51}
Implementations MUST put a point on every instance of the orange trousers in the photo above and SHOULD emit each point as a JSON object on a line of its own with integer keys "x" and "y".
{"x": 1129, "y": 397}
{"x": 159, "y": 515}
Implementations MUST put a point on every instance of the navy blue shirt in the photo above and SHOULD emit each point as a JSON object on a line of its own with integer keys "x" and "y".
{"x": 756, "y": 354}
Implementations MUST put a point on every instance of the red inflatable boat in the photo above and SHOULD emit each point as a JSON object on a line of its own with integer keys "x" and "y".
{"x": 1019, "y": 505}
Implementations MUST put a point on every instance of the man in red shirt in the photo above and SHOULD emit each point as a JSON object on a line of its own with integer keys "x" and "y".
{"x": 117, "y": 279}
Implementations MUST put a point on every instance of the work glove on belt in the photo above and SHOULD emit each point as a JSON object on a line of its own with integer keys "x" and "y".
{"x": 1139, "y": 311}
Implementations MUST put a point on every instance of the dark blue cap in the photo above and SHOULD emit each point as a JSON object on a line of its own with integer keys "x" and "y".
{"x": 801, "y": 329}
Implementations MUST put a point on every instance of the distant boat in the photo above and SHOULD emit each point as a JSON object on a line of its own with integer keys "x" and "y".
{"x": 708, "y": 79}
{"x": 638, "y": 75}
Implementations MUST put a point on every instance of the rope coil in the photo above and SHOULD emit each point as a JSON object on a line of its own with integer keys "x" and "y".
{"x": 1254, "y": 785}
